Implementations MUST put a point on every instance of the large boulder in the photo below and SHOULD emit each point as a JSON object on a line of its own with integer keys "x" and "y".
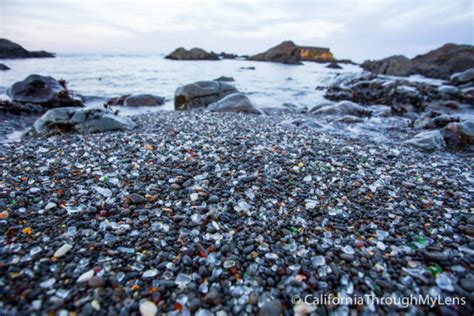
{"x": 143, "y": 100}
{"x": 427, "y": 141}
{"x": 192, "y": 54}
{"x": 84, "y": 121}
{"x": 463, "y": 77}
{"x": 342, "y": 108}
{"x": 200, "y": 94}
{"x": 43, "y": 90}
{"x": 8, "y": 49}
{"x": 443, "y": 62}
{"x": 235, "y": 102}
{"x": 460, "y": 134}
{"x": 392, "y": 66}
{"x": 286, "y": 53}
{"x": 4, "y": 67}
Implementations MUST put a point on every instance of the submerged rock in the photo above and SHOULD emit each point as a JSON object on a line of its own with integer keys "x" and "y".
{"x": 9, "y": 49}
{"x": 286, "y": 53}
{"x": 200, "y": 94}
{"x": 225, "y": 79}
{"x": 43, "y": 90}
{"x": 85, "y": 121}
{"x": 235, "y": 102}
{"x": 333, "y": 66}
{"x": 393, "y": 66}
{"x": 428, "y": 141}
{"x": 143, "y": 100}
{"x": 192, "y": 54}
{"x": 341, "y": 109}
{"x": 4, "y": 67}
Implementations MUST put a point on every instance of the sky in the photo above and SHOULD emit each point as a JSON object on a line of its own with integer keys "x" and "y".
{"x": 355, "y": 29}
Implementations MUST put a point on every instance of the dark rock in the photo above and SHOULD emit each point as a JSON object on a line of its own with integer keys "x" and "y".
{"x": 4, "y": 67}
{"x": 118, "y": 100}
{"x": 8, "y": 49}
{"x": 467, "y": 284}
{"x": 200, "y": 94}
{"x": 459, "y": 135}
{"x": 214, "y": 297}
{"x": 444, "y": 61}
{"x": 272, "y": 308}
{"x": 143, "y": 100}
{"x": 43, "y": 90}
{"x": 85, "y": 121}
{"x": 235, "y": 102}
{"x": 392, "y": 66}
{"x": 225, "y": 79}
{"x": 334, "y": 66}
{"x": 135, "y": 198}
{"x": 192, "y": 54}
{"x": 224, "y": 55}
{"x": 286, "y": 53}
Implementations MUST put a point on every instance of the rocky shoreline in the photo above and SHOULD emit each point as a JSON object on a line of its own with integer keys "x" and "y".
{"x": 229, "y": 213}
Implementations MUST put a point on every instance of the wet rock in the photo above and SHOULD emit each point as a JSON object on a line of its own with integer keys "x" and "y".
{"x": 42, "y": 90}
{"x": 135, "y": 198}
{"x": 9, "y": 49}
{"x": 459, "y": 135}
{"x": 342, "y": 108}
{"x": 4, "y": 67}
{"x": 200, "y": 94}
{"x": 349, "y": 119}
{"x": 434, "y": 119}
{"x": 213, "y": 297}
{"x": 118, "y": 100}
{"x": 236, "y": 102}
{"x": 427, "y": 141}
{"x": 334, "y": 66}
{"x": 192, "y": 54}
{"x": 463, "y": 77}
{"x": 392, "y": 66}
{"x": 143, "y": 100}
{"x": 225, "y": 79}
{"x": 272, "y": 308}
{"x": 286, "y": 53}
{"x": 85, "y": 121}
{"x": 301, "y": 123}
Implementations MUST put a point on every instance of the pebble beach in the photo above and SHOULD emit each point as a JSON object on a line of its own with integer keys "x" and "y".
{"x": 230, "y": 213}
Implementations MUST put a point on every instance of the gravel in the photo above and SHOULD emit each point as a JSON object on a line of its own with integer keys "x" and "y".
{"x": 223, "y": 213}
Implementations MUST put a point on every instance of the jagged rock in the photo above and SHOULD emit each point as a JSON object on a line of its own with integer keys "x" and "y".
{"x": 143, "y": 100}
{"x": 341, "y": 109}
{"x": 4, "y": 67}
{"x": 463, "y": 77}
{"x": 444, "y": 61}
{"x": 85, "y": 121}
{"x": 235, "y": 102}
{"x": 43, "y": 90}
{"x": 225, "y": 79}
{"x": 200, "y": 94}
{"x": 192, "y": 54}
{"x": 392, "y": 66}
{"x": 286, "y": 53}
{"x": 317, "y": 54}
{"x": 8, "y": 49}
{"x": 427, "y": 141}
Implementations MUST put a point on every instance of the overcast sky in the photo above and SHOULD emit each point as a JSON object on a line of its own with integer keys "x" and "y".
{"x": 356, "y": 29}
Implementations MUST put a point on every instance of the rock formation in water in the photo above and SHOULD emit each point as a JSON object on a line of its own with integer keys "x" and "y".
{"x": 438, "y": 63}
{"x": 192, "y": 54}
{"x": 8, "y": 49}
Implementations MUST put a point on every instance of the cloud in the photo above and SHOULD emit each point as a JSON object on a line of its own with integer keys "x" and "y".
{"x": 356, "y": 29}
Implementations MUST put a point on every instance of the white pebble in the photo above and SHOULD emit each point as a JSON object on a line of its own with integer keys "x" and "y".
{"x": 148, "y": 308}
{"x": 86, "y": 276}
{"x": 62, "y": 250}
